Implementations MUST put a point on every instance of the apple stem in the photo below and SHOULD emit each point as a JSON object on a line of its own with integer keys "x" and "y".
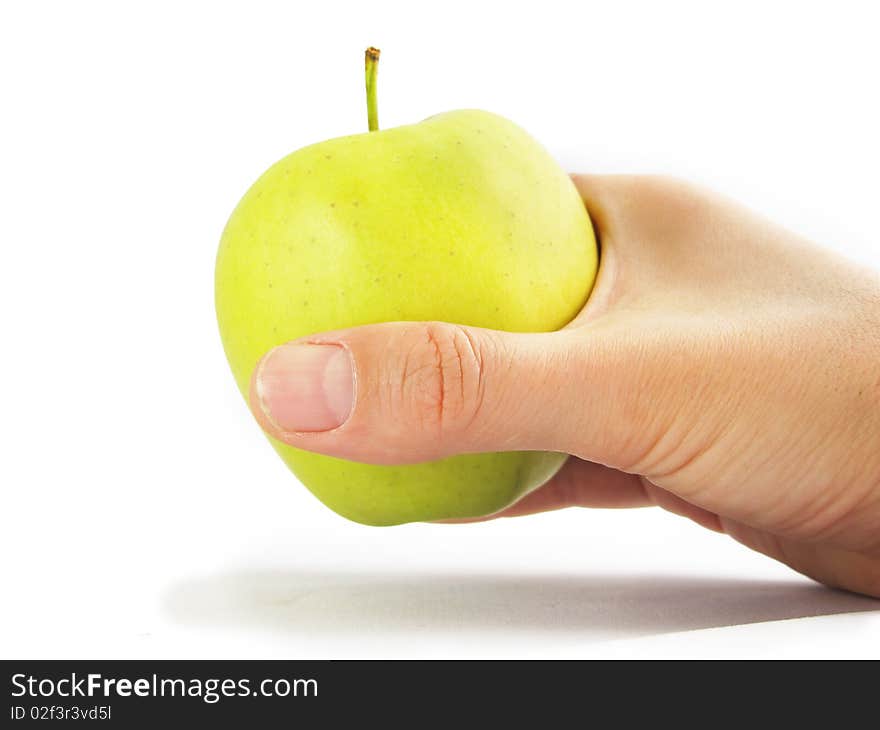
{"x": 372, "y": 68}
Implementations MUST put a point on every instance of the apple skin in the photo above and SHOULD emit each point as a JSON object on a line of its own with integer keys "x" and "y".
{"x": 462, "y": 218}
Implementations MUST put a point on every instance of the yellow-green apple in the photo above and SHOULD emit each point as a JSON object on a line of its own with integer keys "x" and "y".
{"x": 463, "y": 218}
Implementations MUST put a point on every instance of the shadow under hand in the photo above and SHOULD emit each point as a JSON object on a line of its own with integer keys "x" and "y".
{"x": 315, "y": 603}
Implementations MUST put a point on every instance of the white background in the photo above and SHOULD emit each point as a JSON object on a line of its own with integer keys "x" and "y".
{"x": 144, "y": 514}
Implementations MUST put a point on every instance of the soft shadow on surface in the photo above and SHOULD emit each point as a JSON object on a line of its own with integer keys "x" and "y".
{"x": 316, "y": 603}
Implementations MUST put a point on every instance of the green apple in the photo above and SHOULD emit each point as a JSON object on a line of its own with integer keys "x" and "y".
{"x": 463, "y": 218}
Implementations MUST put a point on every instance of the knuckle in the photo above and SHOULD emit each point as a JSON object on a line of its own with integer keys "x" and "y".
{"x": 663, "y": 187}
{"x": 670, "y": 198}
{"x": 666, "y": 214}
{"x": 441, "y": 379}
{"x": 666, "y": 195}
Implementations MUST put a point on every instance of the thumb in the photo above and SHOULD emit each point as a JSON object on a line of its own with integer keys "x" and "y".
{"x": 407, "y": 392}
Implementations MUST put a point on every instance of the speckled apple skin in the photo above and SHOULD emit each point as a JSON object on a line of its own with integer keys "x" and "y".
{"x": 461, "y": 218}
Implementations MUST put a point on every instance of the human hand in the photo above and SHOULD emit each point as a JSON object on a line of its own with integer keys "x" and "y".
{"x": 723, "y": 369}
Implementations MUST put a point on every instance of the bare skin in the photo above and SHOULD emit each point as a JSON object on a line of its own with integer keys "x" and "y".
{"x": 723, "y": 369}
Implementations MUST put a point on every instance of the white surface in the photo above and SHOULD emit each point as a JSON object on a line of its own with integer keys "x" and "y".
{"x": 143, "y": 513}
